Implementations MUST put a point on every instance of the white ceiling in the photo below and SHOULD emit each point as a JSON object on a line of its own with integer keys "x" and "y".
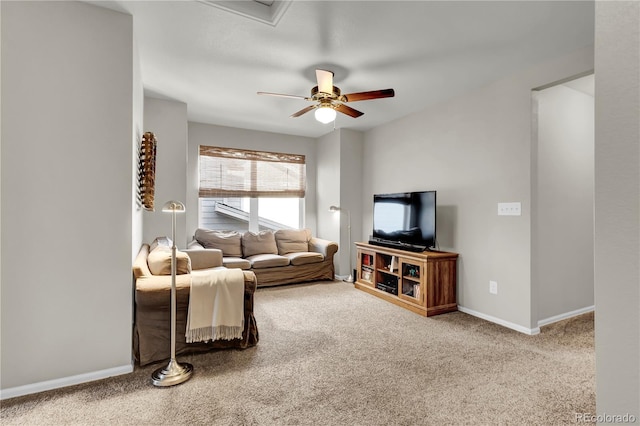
{"x": 215, "y": 61}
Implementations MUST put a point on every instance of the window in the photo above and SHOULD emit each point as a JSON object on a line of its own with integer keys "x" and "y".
{"x": 250, "y": 190}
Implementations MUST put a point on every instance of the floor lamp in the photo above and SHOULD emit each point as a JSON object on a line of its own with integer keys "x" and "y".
{"x": 174, "y": 373}
{"x": 349, "y": 279}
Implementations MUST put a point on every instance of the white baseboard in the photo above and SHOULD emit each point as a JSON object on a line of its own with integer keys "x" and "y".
{"x": 64, "y": 381}
{"x": 499, "y": 321}
{"x": 566, "y": 315}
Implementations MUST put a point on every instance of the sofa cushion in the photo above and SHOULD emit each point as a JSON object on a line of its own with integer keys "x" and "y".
{"x": 292, "y": 240}
{"x": 304, "y": 257}
{"x": 204, "y": 258}
{"x": 159, "y": 261}
{"x": 236, "y": 262}
{"x": 227, "y": 241}
{"x": 260, "y": 261}
{"x": 263, "y": 242}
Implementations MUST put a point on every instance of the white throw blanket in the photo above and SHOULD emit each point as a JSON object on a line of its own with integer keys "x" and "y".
{"x": 216, "y": 305}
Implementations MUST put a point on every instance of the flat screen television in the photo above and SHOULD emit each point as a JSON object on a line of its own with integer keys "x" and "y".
{"x": 405, "y": 220}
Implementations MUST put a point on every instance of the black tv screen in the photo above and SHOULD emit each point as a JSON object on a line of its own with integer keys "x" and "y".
{"x": 405, "y": 219}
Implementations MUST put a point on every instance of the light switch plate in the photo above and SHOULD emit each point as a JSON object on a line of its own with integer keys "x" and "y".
{"x": 509, "y": 209}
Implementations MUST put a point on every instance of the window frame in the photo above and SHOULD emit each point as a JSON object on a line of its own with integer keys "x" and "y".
{"x": 294, "y": 163}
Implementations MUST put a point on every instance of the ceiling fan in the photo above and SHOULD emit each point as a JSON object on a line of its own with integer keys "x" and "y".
{"x": 328, "y": 99}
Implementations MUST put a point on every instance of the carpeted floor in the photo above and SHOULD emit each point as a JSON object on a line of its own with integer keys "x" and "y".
{"x": 332, "y": 355}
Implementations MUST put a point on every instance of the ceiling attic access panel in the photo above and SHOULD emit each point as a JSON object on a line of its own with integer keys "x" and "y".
{"x": 266, "y": 11}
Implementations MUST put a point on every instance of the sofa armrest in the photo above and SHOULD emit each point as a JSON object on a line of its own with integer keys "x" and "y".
{"x": 140, "y": 266}
{"x": 325, "y": 247}
{"x": 194, "y": 244}
{"x": 204, "y": 258}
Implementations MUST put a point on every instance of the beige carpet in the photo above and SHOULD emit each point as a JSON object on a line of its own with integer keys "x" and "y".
{"x": 333, "y": 355}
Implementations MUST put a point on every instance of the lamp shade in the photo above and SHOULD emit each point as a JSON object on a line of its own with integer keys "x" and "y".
{"x": 173, "y": 206}
{"x": 325, "y": 114}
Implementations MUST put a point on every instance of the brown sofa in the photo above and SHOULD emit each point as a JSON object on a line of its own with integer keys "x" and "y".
{"x": 282, "y": 257}
{"x": 152, "y": 325}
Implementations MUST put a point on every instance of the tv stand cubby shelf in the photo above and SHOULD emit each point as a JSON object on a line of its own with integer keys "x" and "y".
{"x": 424, "y": 283}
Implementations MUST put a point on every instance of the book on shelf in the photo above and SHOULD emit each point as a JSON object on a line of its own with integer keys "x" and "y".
{"x": 392, "y": 265}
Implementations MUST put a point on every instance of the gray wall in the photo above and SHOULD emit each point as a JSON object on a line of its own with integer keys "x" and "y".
{"x": 474, "y": 150}
{"x": 351, "y": 148}
{"x": 328, "y": 189}
{"x": 340, "y": 184}
{"x": 208, "y": 134}
{"x": 67, "y": 172}
{"x": 137, "y": 211}
{"x": 562, "y": 202}
{"x": 617, "y": 208}
{"x": 167, "y": 120}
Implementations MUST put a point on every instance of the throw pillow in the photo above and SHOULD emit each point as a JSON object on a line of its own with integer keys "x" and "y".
{"x": 263, "y": 242}
{"x": 227, "y": 241}
{"x": 159, "y": 261}
{"x": 160, "y": 241}
{"x": 292, "y": 240}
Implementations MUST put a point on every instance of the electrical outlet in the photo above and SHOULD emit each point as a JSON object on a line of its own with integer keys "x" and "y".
{"x": 509, "y": 209}
{"x": 493, "y": 287}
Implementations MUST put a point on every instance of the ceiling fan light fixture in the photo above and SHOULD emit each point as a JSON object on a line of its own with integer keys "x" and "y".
{"x": 325, "y": 115}
{"x": 328, "y": 99}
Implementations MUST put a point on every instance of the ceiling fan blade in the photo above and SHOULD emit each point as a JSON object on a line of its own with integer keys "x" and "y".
{"x": 349, "y": 111}
{"x": 365, "y": 96}
{"x": 303, "y": 111}
{"x": 325, "y": 81}
{"x": 284, "y": 96}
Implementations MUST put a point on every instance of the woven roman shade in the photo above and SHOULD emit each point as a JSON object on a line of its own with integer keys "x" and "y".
{"x": 226, "y": 172}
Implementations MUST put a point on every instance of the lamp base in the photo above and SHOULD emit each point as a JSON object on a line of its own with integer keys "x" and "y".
{"x": 172, "y": 374}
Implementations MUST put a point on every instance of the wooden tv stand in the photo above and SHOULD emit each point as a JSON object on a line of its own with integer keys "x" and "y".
{"x": 424, "y": 282}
